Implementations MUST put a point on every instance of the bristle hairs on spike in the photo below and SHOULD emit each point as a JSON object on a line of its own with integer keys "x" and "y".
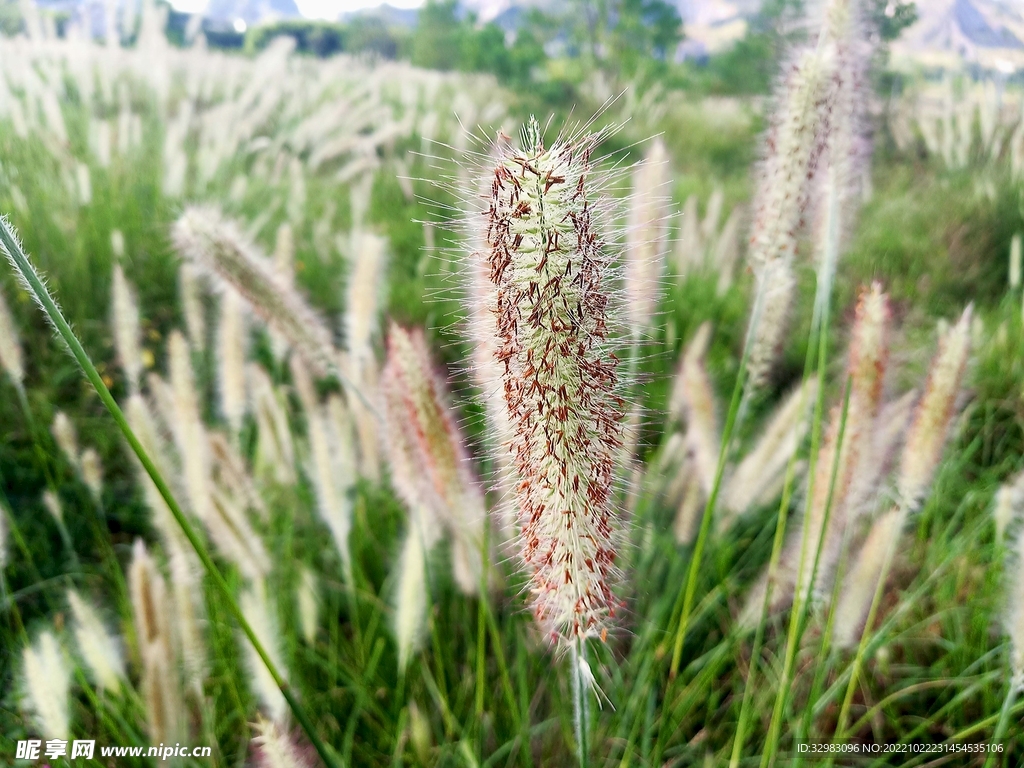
{"x": 550, "y": 269}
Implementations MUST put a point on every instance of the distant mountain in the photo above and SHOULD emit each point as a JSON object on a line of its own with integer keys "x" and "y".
{"x": 986, "y": 33}
{"x": 389, "y": 14}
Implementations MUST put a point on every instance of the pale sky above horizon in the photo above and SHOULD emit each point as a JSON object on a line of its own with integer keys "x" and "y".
{"x": 312, "y": 9}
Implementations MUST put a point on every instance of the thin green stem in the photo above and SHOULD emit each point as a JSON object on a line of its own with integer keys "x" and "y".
{"x": 1004, "y": 719}
{"x": 581, "y": 712}
{"x": 19, "y": 260}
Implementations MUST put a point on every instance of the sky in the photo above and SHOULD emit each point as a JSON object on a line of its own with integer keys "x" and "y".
{"x": 313, "y": 9}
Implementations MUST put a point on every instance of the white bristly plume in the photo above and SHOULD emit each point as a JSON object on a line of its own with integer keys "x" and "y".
{"x": 11, "y": 359}
{"x": 99, "y": 649}
{"x": 92, "y": 472}
{"x": 411, "y": 596}
{"x": 308, "y": 603}
{"x": 67, "y": 438}
{"x": 232, "y": 337}
{"x": 47, "y": 684}
{"x": 332, "y": 500}
{"x": 187, "y": 427}
{"x": 859, "y": 586}
{"x": 259, "y": 613}
{"x": 275, "y": 749}
{"x": 190, "y": 292}
{"x": 363, "y": 296}
{"x": 125, "y": 319}
{"x": 646, "y": 238}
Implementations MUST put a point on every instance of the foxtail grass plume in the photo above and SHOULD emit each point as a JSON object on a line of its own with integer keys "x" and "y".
{"x": 727, "y": 252}
{"x": 696, "y": 398}
{"x": 52, "y": 503}
{"x": 363, "y": 296}
{"x": 330, "y": 486}
{"x": 125, "y": 319}
{"x": 646, "y": 238}
{"x": 862, "y": 580}
{"x": 776, "y": 286}
{"x": 11, "y": 359}
{"x": 411, "y": 594}
{"x": 187, "y": 425}
{"x": 231, "y": 475}
{"x": 66, "y": 436}
{"x": 793, "y": 144}
{"x": 234, "y": 537}
{"x": 259, "y": 613}
{"x": 1008, "y": 502}
{"x": 92, "y": 473}
{"x": 148, "y": 592}
{"x": 430, "y": 463}
{"x": 1013, "y": 617}
{"x": 99, "y": 649}
{"x": 275, "y": 447}
{"x": 219, "y": 248}
{"x": 161, "y": 694}
{"x": 190, "y": 293}
{"x": 877, "y": 460}
{"x": 187, "y": 598}
{"x": 284, "y": 266}
{"x": 550, "y": 267}
{"x": 1003, "y": 511}
{"x": 232, "y": 341}
{"x": 144, "y": 425}
{"x": 927, "y": 434}
{"x": 275, "y": 749}
{"x": 308, "y": 603}
{"x": 47, "y": 686}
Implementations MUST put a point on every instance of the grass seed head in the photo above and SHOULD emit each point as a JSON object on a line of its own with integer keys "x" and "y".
{"x": 308, "y": 602}
{"x": 218, "y": 247}
{"x": 430, "y": 463}
{"x": 276, "y": 749}
{"x": 125, "y": 319}
{"x": 47, "y": 685}
{"x": 647, "y": 238}
{"x": 411, "y": 595}
{"x": 260, "y": 613}
{"x": 187, "y": 425}
{"x": 99, "y": 649}
{"x": 550, "y": 269}
{"x": 92, "y": 472}
{"x": 927, "y": 435}
{"x": 232, "y": 343}
{"x": 860, "y": 583}
{"x": 11, "y": 359}
{"x": 63, "y": 430}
